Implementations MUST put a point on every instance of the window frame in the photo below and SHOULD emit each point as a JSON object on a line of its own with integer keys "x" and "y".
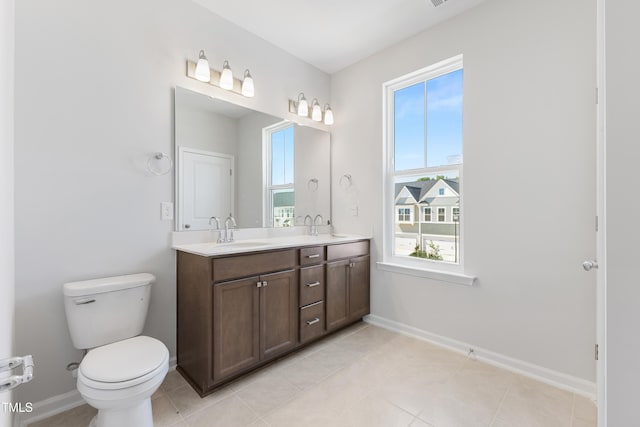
{"x": 424, "y": 212}
{"x": 267, "y": 187}
{"x": 444, "y": 214}
{"x": 440, "y": 270}
{"x": 410, "y": 209}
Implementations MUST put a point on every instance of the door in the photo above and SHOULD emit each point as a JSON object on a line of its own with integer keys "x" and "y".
{"x": 278, "y": 313}
{"x": 236, "y": 326}
{"x": 205, "y": 181}
{"x": 358, "y": 287}
{"x": 6, "y": 194}
{"x": 337, "y": 294}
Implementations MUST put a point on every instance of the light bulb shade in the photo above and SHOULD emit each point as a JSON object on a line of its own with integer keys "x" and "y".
{"x": 316, "y": 111}
{"x": 247, "y": 85}
{"x": 303, "y": 106}
{"x": 203, "y": 72}
{"x": 328, "y": 115}
{"x": 226, "y": 77}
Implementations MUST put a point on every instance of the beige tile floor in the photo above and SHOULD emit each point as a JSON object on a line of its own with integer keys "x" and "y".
{"x": 365, "y": 376}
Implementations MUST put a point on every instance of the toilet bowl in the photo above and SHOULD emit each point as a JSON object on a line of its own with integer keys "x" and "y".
{"x": 118, "y": 379}
{"x": 121, "y": 369}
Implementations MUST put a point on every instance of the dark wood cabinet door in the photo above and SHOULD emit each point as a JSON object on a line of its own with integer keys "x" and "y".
{"x": 337, "y": 299}
{"x": 236, "y": 323}
{"x": 358, "y": 287}
{"x": 278, "y": 313}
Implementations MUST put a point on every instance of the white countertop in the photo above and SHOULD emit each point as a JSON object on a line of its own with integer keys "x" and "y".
{"x": 265, "y": 244}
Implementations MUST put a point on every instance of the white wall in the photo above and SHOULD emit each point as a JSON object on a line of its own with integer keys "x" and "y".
{"x": 249, "y": 173}
{"x": 94, "y": 97}
{"x": 6, "y": 192}
{"x": 623, "y": 231}
{"x": 529, "y": 125}
{"x": 312, "y": 154}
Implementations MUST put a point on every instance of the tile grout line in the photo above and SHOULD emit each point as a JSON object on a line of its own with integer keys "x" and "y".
{"x": 497, "y": 411}
{"x": 573, "y": 410}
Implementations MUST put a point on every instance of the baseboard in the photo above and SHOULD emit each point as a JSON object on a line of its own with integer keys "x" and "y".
{"x": 558, "y": 379}
{"x": 59, "y": 403}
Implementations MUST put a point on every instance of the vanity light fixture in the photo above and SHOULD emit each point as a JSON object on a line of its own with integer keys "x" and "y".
{"x": 303, "y": 105}
{"x": 328, "y": 115}
{"x": 301, "y": 108}
{"x": 316, "y": 111}
{"x": 223, "y": 79}
{"x": 203, "y": 72}
{"x": 226, "y": 77}
{"x": 247, "y": 85}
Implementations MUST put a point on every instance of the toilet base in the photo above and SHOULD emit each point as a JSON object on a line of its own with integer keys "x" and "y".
{"x": 133, "y": 416}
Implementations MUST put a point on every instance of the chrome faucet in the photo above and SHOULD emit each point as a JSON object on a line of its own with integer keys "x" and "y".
{"x": 228, "y": 230}
{"x": 316, "y": 223}
{"x": 217, "y": 221}
{"x": 311, "y": 226}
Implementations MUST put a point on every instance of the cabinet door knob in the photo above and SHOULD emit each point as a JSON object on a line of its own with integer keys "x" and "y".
{"x": 313, "y": 322}
{"x": 265, "y": 283}
{"x": 313, "y": 284}
{"x": 258, "y": 284}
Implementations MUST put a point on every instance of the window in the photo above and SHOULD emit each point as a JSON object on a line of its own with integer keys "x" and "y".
{"x": 279, "y": 196}
{"x": 404, "y": 215}
{"x": 427, "y": 215}
{"x": 423, "y": 117}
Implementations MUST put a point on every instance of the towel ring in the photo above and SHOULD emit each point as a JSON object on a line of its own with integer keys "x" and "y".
{"x": 312, "y": 184}
{"x": 158, "y": 159}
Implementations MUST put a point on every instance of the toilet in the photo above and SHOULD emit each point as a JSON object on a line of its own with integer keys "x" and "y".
{"x": 122, "y": 369}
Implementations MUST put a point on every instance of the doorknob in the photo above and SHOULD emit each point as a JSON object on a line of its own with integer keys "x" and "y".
{"x": 588, "y": 265}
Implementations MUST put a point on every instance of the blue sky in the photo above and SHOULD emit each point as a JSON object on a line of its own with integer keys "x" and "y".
{"x": 282, "y": 156}
{"x": 443, "y": 123}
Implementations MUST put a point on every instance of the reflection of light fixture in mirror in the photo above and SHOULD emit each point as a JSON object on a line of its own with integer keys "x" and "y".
{"x": 316, "y": 111}
{"x": 303, "y": 105}
{"x": 226, "y": 77}
{"x": 203, "y": 72}
{"x": 247, "y": 85}
{"x": 328, "y": 115}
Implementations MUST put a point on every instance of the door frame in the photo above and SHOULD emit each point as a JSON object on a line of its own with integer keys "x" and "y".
{"x": 601, "y": 281}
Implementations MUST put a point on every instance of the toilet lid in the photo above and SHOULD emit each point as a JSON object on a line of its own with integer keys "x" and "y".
{"x": 124, "y": 360}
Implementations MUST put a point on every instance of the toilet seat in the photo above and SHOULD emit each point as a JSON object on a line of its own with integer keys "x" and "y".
{"x": 124, "y": 364}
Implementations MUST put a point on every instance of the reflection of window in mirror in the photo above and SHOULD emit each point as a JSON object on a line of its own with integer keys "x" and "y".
{"x": 279, "y": 182}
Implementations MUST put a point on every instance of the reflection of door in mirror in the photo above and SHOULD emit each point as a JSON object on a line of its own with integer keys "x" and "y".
{"x": 206, "y": 187}
{"x": 279, "y": 196}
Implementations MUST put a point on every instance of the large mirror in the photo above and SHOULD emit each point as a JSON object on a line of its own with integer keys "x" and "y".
{"x": 262, "y": 170}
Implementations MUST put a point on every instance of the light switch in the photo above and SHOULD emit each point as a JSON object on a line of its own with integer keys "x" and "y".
{"x": 166, "y": 209}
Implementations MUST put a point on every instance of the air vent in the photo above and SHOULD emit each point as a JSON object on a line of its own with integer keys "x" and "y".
{"x": 437, "y": 3}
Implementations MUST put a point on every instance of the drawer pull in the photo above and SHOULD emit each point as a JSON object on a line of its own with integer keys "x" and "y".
{"x": 313, "y": 256}
{"x": 313, "y": 322}
{"x": 313, "y": 284}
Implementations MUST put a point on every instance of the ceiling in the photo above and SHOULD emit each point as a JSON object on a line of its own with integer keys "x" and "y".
{"x": 333, "y": 34}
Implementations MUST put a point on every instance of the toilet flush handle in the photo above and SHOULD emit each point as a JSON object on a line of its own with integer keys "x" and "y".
{"x": 82, "y": 301}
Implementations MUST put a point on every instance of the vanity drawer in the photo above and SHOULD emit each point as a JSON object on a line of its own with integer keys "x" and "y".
{"x": 252, "y": 265}
{"x": 347, "y": 250}
{"x": 312, "y": 255}
{"x": 311, "y": 321}
{"x": 311, "y": 285}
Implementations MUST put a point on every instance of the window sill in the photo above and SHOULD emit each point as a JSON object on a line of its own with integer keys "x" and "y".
{"x": 444, "y": 276}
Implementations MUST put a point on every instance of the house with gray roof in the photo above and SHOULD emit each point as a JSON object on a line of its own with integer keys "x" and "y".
{"x": 428, "y": 207}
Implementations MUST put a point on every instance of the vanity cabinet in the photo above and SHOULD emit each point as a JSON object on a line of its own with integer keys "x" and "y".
{"x": 347, "y": 291}
{"x": 254, "y": 319}
{"x": 238, "y": 312}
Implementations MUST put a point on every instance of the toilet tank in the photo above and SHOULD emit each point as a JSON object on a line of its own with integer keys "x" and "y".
{"x": 102, "y": 311}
